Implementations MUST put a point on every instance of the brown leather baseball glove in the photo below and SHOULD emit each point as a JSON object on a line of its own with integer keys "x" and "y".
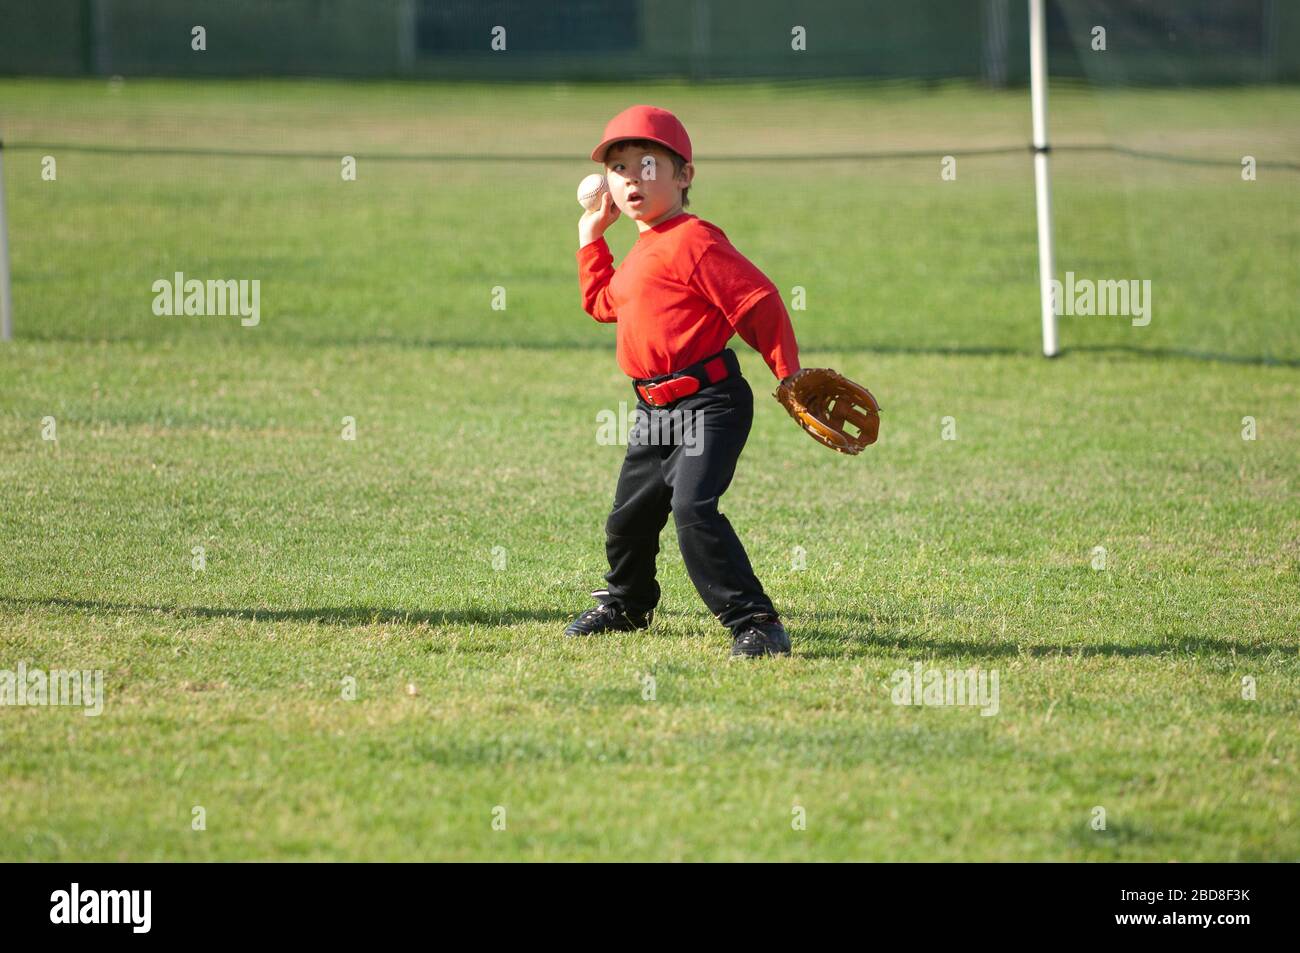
{"x": 834, "y": 410}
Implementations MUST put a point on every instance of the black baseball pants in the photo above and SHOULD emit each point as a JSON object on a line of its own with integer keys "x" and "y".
{"x": 680, "y": 460}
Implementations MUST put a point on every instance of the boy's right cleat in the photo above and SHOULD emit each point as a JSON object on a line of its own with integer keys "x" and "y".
{"x": 763, "y": 635}
{"x": 607, "y": 618}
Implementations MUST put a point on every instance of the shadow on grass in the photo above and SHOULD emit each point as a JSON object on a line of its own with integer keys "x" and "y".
{"x": 1256, "y": 360}
{"x": 867, "y": 636}
{"x": 855, "y": 347}
{"x": 338, "y": 615}
{"x": 855, "y": 635}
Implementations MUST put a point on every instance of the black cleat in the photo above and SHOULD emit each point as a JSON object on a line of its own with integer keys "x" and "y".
{"x": 607, "y": 618}
{"x": 762, "y": 635}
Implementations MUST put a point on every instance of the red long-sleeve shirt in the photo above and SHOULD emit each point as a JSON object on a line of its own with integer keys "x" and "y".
{"x": 679, "y": 296}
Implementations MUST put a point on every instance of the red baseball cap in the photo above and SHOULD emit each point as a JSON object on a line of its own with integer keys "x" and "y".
{"x": 645, "y": 122}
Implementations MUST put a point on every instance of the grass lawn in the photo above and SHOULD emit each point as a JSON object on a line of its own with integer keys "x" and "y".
{"x": 431, "y": 563}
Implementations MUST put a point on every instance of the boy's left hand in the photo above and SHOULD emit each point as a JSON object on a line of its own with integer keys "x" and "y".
{"x": 823, "y": 401}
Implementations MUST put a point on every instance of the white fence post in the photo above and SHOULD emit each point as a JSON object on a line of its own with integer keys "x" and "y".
{"x": 1042, "y": 176}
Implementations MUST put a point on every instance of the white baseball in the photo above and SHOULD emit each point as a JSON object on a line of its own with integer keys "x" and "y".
{"x": 590, "y": 190}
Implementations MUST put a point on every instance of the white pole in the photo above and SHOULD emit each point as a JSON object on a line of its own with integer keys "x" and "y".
{"x": 1042, "y": 177}
{"x": 6, "y": 300}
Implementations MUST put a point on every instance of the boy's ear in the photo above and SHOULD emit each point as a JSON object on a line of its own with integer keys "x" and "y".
{"x": 688, "y": 173}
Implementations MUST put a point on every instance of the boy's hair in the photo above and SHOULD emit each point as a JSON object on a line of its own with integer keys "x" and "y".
{"x": 679, "y": 163}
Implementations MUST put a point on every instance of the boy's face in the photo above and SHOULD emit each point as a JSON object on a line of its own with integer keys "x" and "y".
{"x": 642, "y": 181}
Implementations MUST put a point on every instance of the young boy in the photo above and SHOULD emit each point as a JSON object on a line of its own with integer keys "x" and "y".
{"x": 678, "y": 297}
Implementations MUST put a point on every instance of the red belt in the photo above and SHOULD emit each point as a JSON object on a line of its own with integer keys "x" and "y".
{"x": 660, "y": 391}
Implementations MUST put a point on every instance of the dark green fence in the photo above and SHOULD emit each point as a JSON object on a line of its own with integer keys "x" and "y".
{"x": 1228, "y": 40}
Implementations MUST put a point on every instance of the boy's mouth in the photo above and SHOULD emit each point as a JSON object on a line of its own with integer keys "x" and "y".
{"x": 635, "y": 198}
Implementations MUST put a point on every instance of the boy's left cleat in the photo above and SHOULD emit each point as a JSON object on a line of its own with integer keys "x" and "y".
{"x": 762, "y": 635}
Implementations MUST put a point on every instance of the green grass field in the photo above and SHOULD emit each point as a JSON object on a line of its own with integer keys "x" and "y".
{"x": 436, "y": 558}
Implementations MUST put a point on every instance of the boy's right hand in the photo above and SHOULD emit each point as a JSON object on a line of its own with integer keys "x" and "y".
{"x": 592, "y": 225}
